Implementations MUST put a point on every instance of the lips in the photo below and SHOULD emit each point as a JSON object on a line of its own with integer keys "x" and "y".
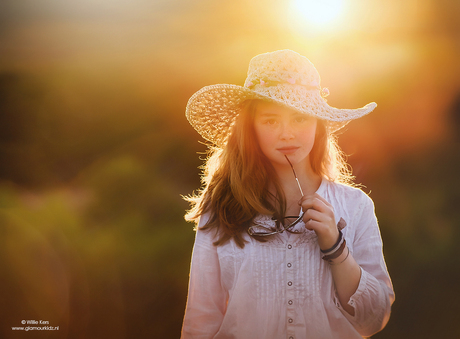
{"x": 288, "y": 150}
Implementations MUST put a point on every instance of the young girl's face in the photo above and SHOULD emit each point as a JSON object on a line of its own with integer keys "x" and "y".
{"x": 283, "y": 131}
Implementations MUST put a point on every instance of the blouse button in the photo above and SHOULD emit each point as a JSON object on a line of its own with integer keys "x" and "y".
{"x": 289, "y": 246}
{"x": 290, "y": 320}
{"x": 290, "y": 302}
{"x": 289, "y": 265}
{"x": 289, "y": 283}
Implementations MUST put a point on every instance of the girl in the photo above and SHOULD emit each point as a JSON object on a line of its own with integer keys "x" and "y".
{"x": 285, "y": 246}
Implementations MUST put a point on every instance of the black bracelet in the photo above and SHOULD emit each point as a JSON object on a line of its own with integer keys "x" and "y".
{"x": 336, "y": 244}
{"x": 336, "y": 253}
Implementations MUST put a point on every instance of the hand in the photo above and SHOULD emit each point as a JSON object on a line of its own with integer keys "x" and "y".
{"x": 319, "y": 217}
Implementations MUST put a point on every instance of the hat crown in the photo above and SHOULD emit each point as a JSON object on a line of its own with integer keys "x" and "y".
{"x": 284, "y": 66}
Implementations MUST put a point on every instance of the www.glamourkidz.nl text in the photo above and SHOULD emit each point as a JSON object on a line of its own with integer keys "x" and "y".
{"x": 35, "y": 325}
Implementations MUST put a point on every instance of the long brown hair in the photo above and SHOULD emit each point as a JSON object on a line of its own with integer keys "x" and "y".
{"x": 236, "y": 179}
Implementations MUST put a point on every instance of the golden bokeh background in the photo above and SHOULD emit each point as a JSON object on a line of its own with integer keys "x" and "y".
{"x": 96, "y": 152}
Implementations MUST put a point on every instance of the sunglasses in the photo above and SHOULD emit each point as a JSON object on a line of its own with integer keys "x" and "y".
{"x": 259, "y": 230}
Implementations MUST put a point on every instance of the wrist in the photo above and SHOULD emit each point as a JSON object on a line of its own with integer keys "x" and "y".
{"x": 333, "y": 246}
{"x": 342, "y": 257}
{"x": 336, "y": 252}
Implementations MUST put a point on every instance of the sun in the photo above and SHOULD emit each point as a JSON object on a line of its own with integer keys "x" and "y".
{"x": 317, "y": 13}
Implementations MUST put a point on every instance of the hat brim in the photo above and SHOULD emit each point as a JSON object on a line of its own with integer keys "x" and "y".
{"x": 213, "y": 110}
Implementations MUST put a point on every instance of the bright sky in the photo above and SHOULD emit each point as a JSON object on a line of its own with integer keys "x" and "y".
{"x": 319, "y": 14}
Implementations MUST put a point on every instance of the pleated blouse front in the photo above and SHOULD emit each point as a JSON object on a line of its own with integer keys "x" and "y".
{"x": 282, "y": 288}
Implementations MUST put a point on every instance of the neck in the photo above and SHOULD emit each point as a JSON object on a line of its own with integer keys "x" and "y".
{"x": 309, "y": 181}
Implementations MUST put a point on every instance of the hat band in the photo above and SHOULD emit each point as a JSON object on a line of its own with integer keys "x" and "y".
{"x": 313, "y": 85}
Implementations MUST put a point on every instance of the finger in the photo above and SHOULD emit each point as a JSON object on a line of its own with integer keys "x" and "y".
{"x": 312, "y": 214}
{"x": 313, "y": 225}
{"x": 316, "y": 204}
{"x": 322, "y": 199}
{"x": 327, "y": 220}
{"x": 326, "y": 236}
{"x": 305, "y": 198}
{"x": 307, "y": 201}
{"x": 311, "y": 197}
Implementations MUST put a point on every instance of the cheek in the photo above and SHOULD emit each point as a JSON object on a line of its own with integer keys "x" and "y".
{"x": 309, "y": 136}
{"x": 263, "y": 137}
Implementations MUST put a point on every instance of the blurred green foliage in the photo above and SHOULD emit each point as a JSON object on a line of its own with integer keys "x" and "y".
{"x": 105, "y": 258}
{"x": 92, "y": 230}
{"x": 99, "y": 247}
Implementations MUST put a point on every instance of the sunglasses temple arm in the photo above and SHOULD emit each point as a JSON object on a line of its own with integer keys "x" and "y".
{"x": 300, "y": 188}
{"x": 295, "y": 175}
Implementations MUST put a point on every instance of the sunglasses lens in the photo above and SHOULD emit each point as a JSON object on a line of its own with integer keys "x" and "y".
{"x": 260, "y": 230}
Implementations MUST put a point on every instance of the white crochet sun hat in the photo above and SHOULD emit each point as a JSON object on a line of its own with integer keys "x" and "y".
{"x": 284, "y": 77}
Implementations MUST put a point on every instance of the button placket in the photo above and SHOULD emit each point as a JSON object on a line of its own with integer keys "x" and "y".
{"x": 290, "y": 283}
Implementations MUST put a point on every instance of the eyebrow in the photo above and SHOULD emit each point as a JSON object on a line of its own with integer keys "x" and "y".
{"x": 271, "y": 114}
{"x": 297, "y": 114}
{"x": 268, "y": 114}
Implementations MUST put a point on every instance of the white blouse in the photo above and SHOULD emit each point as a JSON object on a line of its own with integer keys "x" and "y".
{"x": 282, "y": 288}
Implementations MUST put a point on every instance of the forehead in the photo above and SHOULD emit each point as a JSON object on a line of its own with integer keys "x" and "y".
{"x": 266, "y": 108}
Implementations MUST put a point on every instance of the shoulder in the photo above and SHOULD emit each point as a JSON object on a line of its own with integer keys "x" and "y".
{"x": 205, "y": 236}
{"x": 204, "y": 218}
{"x": 351, "y": 193}
{"x": 356, "y": 208}
{"x": 353, "y": 199}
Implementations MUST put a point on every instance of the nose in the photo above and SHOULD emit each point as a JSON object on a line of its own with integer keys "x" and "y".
{"x": 286, "y": 132}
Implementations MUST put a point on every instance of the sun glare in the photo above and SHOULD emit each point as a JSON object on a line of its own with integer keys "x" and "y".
{"x": 318, "y": 13}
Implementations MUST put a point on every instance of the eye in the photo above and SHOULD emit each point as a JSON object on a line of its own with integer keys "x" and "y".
{"x": 301, "y": 119}
{"x": 270, "y": 121}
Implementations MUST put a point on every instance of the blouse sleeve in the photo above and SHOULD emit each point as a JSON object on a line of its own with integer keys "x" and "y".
{"x": 374, "y": 296}
{"x": 207, "y": 300}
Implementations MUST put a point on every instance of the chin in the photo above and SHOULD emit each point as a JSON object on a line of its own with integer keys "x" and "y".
{"x": 295, "y": 158}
